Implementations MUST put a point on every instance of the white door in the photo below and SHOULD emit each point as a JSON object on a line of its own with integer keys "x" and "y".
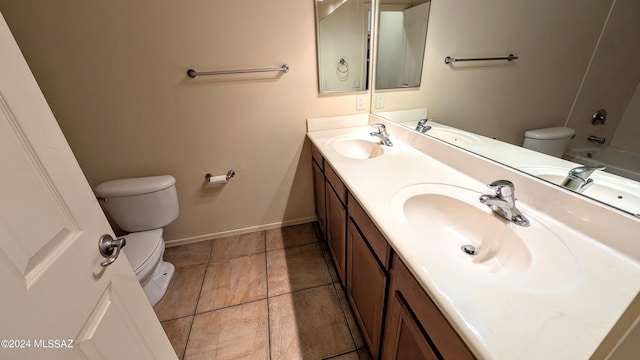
{"x": 57, "y": 301}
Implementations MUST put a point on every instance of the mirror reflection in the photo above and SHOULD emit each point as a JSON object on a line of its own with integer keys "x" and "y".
{"x": 402, "y": 32}
{"x": 343, "y": 31}
{"x": 574, "y": 59}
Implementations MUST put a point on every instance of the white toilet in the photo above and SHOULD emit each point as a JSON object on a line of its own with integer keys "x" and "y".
{"x": 552, "y": 141}
{"x": 142, "y": 206}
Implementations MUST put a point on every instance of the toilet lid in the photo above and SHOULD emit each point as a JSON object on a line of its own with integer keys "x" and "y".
{"x": 141, "y": 246}
{"x": 550, "y": 133}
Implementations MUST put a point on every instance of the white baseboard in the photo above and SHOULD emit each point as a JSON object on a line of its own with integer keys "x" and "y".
{"x": 205, "y": 237}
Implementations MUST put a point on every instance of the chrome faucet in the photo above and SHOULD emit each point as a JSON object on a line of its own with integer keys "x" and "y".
{"x": 382, "y": 134}
{"x": 503, "y": 202}
{"x": 422, "y": 127}
{"x": 578, "y": 177}
{"x": 596, "y": 139}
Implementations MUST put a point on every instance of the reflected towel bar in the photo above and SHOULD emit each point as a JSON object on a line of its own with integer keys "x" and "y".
{"x": 192, "y": 73}
{"x": 449, "y": 59}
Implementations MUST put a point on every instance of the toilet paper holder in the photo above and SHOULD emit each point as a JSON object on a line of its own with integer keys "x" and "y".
{"x": 229, "y": 175}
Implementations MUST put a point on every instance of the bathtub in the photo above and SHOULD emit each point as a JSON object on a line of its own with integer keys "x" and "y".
{"x": 619, "y": 162}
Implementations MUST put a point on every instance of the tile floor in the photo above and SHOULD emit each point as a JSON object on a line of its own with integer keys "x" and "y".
{"x": 266, "y": 295}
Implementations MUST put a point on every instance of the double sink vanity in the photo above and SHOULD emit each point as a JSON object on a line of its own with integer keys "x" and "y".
{"x": 431, "y": 271}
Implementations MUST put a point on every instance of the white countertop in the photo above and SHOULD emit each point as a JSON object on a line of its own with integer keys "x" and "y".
{"x": 568, "y": 320}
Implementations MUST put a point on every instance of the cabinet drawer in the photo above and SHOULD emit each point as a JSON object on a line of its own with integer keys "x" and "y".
{"x": 375, "y": 239}
{"x": 336, "y": 183}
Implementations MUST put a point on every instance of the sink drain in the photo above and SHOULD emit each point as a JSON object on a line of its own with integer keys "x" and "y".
{"x": 469, "y": 250}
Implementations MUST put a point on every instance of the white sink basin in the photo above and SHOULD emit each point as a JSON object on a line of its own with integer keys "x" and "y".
{"x": 452, "y": 136}
{"x": 618, "y": 192}
{"x": 357, "y": 147}
{"x": 499, "y": 248}
{"x": 442, "y": 219}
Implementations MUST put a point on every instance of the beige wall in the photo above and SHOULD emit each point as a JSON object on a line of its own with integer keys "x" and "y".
{"x": 628, "y": 131}
{"x": 114, "y": 76}
{"x": 554, "y": 41}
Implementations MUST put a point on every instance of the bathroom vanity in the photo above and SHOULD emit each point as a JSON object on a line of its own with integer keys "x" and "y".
{"x": 373, "y": 277}
{"x": 396, "y": 220}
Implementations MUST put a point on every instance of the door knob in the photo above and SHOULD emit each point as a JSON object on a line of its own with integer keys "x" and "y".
{"x": 110, "y": 248}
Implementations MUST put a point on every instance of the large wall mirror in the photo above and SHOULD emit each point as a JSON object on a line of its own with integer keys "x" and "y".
{"x": 574, "y": 58}
{"x": 343, "y": 29}
{"x": 402, "y": 32}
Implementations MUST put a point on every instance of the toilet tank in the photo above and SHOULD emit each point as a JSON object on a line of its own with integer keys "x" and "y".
{"x": 552, "y": 141}
{"x": 140, "y": 204}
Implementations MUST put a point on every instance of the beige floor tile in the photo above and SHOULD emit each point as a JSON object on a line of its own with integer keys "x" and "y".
{"x": 233, "y": 282}
{"x": 237, "y": 332}
{"x": 237, "y": 246}
{"x": 188, "y": 255}
{"x": 329, "y": 261}
{"x": 290, "y": 236}
{"x": 182, "y": 295}
{"x": 351, "y": 321}
{"x": 295, "y": 269}
{"x": 178, "y": 331}
{"x": 308, "y": 324}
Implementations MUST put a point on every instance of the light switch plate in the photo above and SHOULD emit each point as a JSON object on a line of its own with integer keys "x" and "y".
{"x": 379, "y": 101}
{"x": 360, "y": 102}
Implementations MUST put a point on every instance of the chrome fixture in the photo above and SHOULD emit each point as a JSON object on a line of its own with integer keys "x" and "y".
{"x": 469, "y": 250}
{"x": 450, "y": 60}
{"x": 107, "y": 246}
{"x": 422, "y": 127}
{"x": 596, "y": 139}
{"x": 382, "y": 134}
{"x": 578, "y": 178}
{"x": 599, "y": 117}
{"x": 192, "y": 73}
{"x": 503, "y": 202}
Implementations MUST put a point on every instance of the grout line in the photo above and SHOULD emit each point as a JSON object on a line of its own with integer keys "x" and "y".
{"x": 341, "y": 354}
{"x": 195, "y": 310}
{"x": 230, "y": 306}
{"x": 300, "y": 290}
{"x": 344, "y": 312}
{"x": 337, "y": 286}
{"x": 266, "y": 276}
{"x": 292, "y": 247}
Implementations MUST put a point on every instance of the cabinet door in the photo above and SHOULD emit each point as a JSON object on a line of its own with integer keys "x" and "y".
{"x": 414, "y": 322}
{"x": 319, "y": 195}
{"x": 337, "y": 231}
{"x": 366, "y": 288}
{"x": 404, "y": 339}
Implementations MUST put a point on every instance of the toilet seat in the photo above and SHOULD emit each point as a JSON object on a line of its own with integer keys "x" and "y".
{"x": 144, "y": 250}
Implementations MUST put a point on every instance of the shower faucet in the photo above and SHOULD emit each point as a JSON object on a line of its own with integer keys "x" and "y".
{"x": 596, "y": 139}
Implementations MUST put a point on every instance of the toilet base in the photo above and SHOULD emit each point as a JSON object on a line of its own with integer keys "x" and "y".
{"x": 157, "y": 285}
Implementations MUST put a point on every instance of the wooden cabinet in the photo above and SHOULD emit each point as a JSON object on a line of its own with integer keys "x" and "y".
{"x": 414, "y": 327}
{"x": 330, "y": 196}
{"x": 336, "y": 200}
{"x": 367, "y": 260}
{"x": 319, "y": 184}
{"x": 405, "y": 339}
